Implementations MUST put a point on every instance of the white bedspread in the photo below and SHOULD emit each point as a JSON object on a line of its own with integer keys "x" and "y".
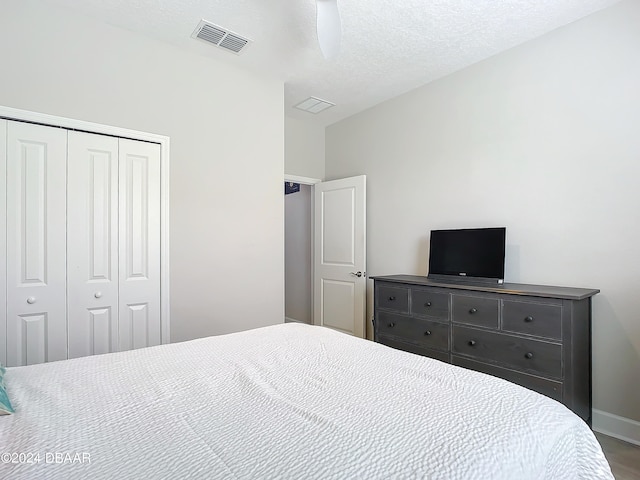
{"x": 285, "y": 402}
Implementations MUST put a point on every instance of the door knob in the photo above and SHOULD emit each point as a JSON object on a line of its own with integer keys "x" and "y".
{"x": 97, "y": 294}
{"x": 356, "y": 274}
{"x": 31, "y": 300}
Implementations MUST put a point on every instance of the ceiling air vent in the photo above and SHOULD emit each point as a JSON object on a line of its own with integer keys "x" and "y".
{"x": 314, "y": 105}
{"x": 220, "y": 37}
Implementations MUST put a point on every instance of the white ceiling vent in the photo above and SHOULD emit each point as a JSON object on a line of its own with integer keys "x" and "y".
{"x": 220, "y": 37}
{"x": 314, "y": 105}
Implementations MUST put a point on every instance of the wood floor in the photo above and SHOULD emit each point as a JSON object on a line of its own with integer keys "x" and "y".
{"x": 623, "y": 457}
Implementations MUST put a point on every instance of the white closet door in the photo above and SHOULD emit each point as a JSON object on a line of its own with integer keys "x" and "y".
{"x": 139, "y": 246}
{"x": 36, "y": 244}
{"x": 3, "y": 241}
{"x": 92, "y": 236}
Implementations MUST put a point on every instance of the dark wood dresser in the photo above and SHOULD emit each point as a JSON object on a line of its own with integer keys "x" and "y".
{"x": 537, "y": 336}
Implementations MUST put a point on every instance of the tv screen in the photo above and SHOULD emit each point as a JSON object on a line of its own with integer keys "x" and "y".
{"x": 471, "y": 253}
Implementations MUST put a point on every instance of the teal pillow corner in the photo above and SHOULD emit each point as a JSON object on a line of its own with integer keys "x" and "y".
{"x": 5, "y": 404}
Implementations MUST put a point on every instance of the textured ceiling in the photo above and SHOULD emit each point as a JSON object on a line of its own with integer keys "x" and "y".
{"x": 388, "y": 46}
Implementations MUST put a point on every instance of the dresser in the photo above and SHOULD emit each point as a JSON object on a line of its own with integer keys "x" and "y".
{"x": 537, "y": 336}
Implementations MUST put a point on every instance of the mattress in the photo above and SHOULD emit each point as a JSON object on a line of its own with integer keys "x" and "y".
{"x": 289, "y": 401}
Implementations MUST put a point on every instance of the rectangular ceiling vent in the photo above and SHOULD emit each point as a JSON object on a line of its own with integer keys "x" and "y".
{"x": 220, "y": 37}
{"x": 314, "y": 105}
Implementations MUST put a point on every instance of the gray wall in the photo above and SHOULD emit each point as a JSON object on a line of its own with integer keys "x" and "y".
{"x": 226, "y": 204}
{"x": 298, "y": 255}
{"x": 304, "y": 148}
{"x": 542, "y": 139}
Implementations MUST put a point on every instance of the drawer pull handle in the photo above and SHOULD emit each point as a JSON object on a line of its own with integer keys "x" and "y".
{"x": 528, "y": 319}
{"x": 391, "y": 299}
{"x": 391, "y": 325}
{"x": 473, "y": 310}
{"x": 428, "y": 332}
{"x": 472, "y": 343}
{"x": 428, "y": 304}
{"x": 528, "y": 355}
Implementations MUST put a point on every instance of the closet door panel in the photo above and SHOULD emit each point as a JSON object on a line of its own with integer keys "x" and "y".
{"x": 3, "y": 240}
{"x": 139, "y": 245}
{"x": 36, "y": 244}
{"x": 92, "y": 235}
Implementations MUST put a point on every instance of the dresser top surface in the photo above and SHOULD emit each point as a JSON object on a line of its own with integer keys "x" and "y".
{"x": 545, "y": 291}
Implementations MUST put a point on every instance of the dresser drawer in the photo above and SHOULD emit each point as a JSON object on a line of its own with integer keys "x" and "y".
{"x": 475, "y": 311}
{"x": 533, "y": 356}
{"x": 394, "y": 298}
{"x": 413, "y": 348}
{"x": 531, "y": 318}
{"x": 547, "y": 387}
{"x": 430, "y": 303}
{"x": 414, "y": 330}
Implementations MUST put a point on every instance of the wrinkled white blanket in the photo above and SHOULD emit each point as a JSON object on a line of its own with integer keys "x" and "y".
{"x": 284, "y": 402}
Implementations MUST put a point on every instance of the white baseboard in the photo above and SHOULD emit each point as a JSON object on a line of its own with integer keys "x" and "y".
{"x": 292, "y": 320}
{"x": 615, "y": 426}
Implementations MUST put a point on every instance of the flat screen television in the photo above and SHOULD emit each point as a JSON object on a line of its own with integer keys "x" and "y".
{"x": 473, "y": 255}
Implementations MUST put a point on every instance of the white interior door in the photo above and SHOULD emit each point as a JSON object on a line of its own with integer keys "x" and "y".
{"x": 92, "y": 238}
{"x": 36, "y": 244}
{"x": 139, "y": 244}
{"x": 340, "y": 255}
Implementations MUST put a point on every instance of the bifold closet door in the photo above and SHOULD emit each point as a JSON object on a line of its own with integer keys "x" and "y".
{"x": 92, "y": 235}
{"x": 113, "y": 235}
{"x": 36, "y": 243}
{"x": 139, "y": 244}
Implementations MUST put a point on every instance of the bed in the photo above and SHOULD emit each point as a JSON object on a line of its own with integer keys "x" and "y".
{"x": 289, "y": 401}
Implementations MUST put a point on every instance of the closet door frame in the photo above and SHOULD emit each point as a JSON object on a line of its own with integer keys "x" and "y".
{"x": 9, "y": 113}
{"x": 3, "y": 239}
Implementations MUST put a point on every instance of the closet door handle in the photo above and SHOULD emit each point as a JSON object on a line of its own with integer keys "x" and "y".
{"x": 31, "y": 300}
{"x": 97, "y": 294}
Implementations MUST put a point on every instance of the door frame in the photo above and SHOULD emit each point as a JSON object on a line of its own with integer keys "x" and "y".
{"x": 9, "y": 113}
{"x": 311, "y": 182}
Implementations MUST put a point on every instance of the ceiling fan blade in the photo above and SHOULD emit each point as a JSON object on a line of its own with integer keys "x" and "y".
{"x": 329, "y": 27}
